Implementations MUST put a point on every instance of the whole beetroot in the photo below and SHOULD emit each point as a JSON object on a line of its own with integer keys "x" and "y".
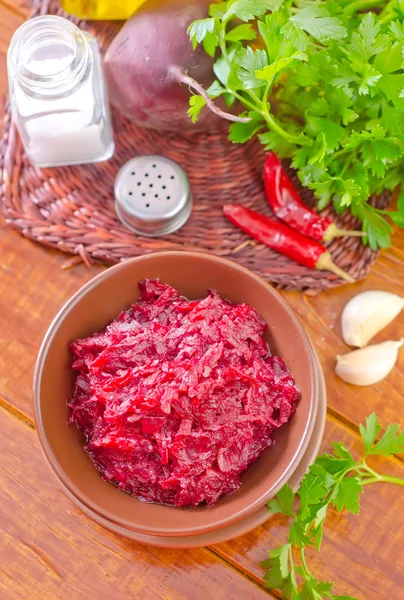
{"x": 150, "y": 67}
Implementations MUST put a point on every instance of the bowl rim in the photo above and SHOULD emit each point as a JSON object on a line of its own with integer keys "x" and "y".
{"x": 71, "y": 487}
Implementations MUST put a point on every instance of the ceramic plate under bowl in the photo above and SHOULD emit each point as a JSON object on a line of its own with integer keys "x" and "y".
{"x": 244, "y": 525}
{"x": 96, "y": 305}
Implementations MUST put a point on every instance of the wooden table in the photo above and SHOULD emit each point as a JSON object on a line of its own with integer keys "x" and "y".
{"x": 50, "y": 550}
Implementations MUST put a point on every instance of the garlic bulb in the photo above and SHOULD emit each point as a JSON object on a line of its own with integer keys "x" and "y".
{"x": 367, "y": 314}
{"x": 368, "y": 365}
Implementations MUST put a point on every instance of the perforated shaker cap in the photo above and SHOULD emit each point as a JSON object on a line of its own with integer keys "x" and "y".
{"x": 152, "y": 195}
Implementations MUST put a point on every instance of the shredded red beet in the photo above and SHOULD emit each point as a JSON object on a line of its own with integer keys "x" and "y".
{"x": 176, "y": 398}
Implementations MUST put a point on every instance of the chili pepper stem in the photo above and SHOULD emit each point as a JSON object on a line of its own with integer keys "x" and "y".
{"x": 325, "y": 263}
{"x": 333, "y": 231}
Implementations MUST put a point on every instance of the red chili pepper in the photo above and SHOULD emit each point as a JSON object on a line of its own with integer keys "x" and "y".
{"x": 287, "y": 205}
{"x": 281, "y": 238}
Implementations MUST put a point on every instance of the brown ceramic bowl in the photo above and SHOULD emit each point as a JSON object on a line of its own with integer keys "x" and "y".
{"x": 98, "y": 303}
{"x": 243, "y": 526}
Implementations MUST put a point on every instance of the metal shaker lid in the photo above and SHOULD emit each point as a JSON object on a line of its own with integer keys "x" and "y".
{"x": 152, "y": 195}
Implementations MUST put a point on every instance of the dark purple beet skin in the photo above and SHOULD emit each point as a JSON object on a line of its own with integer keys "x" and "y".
{"x": 139, "y": 63}
{"x": 176, "y": 398}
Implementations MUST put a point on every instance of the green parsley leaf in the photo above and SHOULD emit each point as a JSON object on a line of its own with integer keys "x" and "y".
{"x": 309, "y": 173}
{"x": 269, "y": 71}
{"x": 366, "y": 42}
{"x": 319, "y": 108}
{"x": 318, "y": 513}
{"x": 216, "y": 89}
{"x": 392, "y": 442}
{"x": 246, "y": 10}
{"x": 196, "y": 104}
{"x": 218, "y": 10}
{"x": 348, "y": 495}
{"x": 375, "y": 237}
{"x": 390, "y": 60}
{"x": 242, "y": 32}
{"x": 277, "y": 567}
{"x": 290, "y": 588}
{"x": 321, "y": 587}
{"x": 229, "y": 99}
{"x": 391, "y": 85}
{"x": 270, "y": 31}
{"x": 297, "y": 536}
{"x": 333, "y": 132}
{"x": 300, "y": 160}
{"x": 344, "y": 75}
{"x": 376, "y": 227}
{"x": 324, "y": 191}
{"x": 341, "y": 451}
{"x": 333, "y": 464}
{"x": 283, "y": 501}
{"x": 397, "y": 218}
{"x": 388, "y": 149}
{"x": 198, "y": 30}
{"x": 273, "y": 141}
{"x": 273, "y": 577}
{"x": 241, "y": 132}
{"x": 295, "y": 35}
{"x": 348, "y": 115}
{"x": 210, "y": 43}
{"x": 318, "y": 470}
{"x": 313, "y": 489}
{"x": 222, "y": 68}
{"x": 308, "y": 592}
{"x": 248, "y": 63}
{"x": 316, "y": 21}
{"x": 282, "y": 555}
{"x": 357, "y": 138}
{"x": 319, "y": 149}
{"x": 397, "y": 30}
{"x": 370, "y": 431}
{"x": 368, "y": 80}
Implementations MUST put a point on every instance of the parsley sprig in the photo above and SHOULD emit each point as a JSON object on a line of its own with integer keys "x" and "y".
{"x": 322, "y": 84}
{"x": 334, "y": 480}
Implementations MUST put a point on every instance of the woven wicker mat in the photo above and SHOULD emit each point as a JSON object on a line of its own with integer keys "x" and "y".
{"x": 72, "y": 208}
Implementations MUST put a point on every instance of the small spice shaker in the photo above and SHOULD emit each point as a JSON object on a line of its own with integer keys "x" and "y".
{"x": 152, "y": 195}
{"x": 58, "y": 96}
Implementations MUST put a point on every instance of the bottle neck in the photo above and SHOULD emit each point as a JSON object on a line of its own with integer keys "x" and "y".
{"x": 48, "y": 56}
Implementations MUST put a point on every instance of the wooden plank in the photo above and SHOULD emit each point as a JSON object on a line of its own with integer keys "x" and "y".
{"x": 10, "y": 19}
{"x": 363, "y": 555}
{"x": 33, "y": 287}
{"x": 51, "y": 551}
{"x": 20, "y": 7}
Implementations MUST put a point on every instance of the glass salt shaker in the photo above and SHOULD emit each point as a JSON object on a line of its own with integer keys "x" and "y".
{"x": 58, "y": 95}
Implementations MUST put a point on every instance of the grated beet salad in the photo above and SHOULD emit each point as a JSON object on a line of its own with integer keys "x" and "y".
{"x": 176, "y": 398}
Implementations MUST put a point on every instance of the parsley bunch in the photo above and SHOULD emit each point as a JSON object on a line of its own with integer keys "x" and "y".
{"x": 322, "y": 84}
{"x": 334, "y": 480}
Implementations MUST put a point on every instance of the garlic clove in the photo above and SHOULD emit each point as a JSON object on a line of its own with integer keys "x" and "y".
{"x": 368, "y": 313}
{"x": 369, "y": 365}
